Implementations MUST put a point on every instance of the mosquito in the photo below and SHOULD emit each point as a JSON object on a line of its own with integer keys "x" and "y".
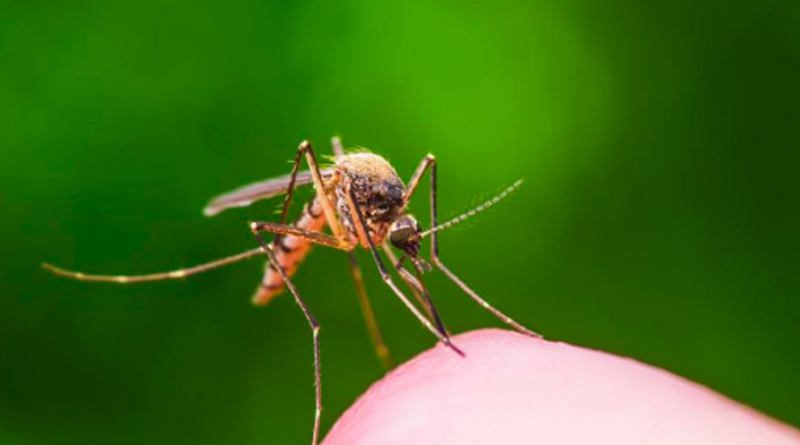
{"x": 363, "y": 202}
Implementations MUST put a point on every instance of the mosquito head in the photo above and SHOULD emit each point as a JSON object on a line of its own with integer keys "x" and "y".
{"x": 405, "y": 234}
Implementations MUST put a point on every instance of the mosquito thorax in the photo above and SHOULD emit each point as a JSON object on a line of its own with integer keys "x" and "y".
{"x": 376, "y": 189}
{"x": 405, "y": 234}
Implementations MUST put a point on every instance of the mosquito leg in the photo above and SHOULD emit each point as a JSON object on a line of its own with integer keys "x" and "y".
{"x": 319, "y": 186}
{"x": 290, "y": 189}
{"x": 387, "y": 278}
{"x": 310, "y": 235}
{"x": 160, "y": 276}
{"x": 312, "y": 322}
{"x": 426, "y": 163}
{"x": 438, "y": 262}
{"x": 381, "y": 349}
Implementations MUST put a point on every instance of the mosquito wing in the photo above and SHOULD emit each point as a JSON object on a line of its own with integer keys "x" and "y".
{"x": 244, "y": 196}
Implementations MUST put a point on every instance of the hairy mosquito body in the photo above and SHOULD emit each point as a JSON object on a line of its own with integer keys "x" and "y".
{"x": 377, "y": 190}
{"x": 363, "y": 203}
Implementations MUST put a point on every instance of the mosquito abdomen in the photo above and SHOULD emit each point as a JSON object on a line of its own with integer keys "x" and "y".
{"x": 290, "y": 252}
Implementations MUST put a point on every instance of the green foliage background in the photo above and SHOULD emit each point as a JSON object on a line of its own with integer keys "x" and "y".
{"x": 660, "y": 145}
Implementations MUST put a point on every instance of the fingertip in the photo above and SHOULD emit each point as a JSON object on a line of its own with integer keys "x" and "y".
{"x": 515, "y": 389}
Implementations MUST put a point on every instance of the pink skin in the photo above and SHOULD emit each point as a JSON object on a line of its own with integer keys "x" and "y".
{"x": 511, "y": 389}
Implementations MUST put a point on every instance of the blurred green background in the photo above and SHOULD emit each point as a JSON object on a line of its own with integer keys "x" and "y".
{"x": 660, "y": 144}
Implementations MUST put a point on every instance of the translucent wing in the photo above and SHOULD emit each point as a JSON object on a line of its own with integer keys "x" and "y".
{"x": 244, "y": 196}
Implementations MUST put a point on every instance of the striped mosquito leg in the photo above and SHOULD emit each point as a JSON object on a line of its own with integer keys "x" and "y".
{"x": 387, "y": 278}
{"x": 312, "y": 322}
{"x": 438, "y": 262}
{"x": 160, "y": 276}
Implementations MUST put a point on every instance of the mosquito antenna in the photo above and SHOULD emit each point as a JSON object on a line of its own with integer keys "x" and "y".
{"x": 173, "y": 275}
{"x": 460, "y": 218}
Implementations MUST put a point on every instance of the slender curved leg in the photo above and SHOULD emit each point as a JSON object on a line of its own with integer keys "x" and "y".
{"x": 312, "y": 322}
{"x": 318, "y": 237}
{"x": 429, "y": 163}
{"x": 159, "y": 276}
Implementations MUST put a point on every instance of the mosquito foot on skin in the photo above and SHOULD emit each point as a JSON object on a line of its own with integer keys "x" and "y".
{"x": 530, "y": 333}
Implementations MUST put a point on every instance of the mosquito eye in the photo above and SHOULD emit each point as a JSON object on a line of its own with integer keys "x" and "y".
{"x": 404, "y": 234}
{"x": 399, "y": 237}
